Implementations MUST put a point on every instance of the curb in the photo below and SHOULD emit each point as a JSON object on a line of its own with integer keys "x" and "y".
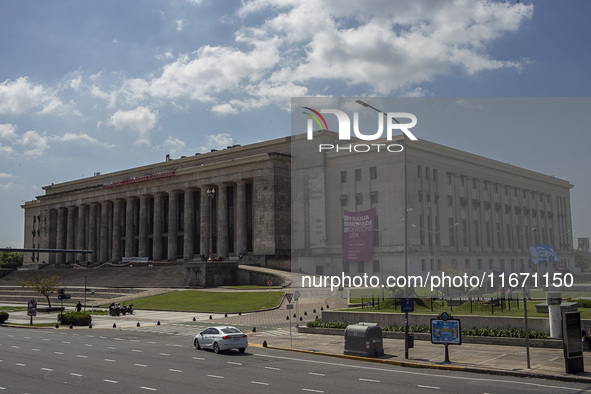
{"x": 412, "y": 364}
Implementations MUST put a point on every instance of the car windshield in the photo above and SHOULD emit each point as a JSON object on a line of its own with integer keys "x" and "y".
{"x": 231, "y": 330}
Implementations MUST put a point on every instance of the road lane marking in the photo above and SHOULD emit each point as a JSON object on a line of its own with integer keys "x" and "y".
{"x": 26, "y": 337}
{"x": 47, "y": 369}
{"x": 36, "y": 350}
{"x": 111, "y": 347}
{"x": 75, "y": 374}
{"x": 134, "y": 340}
{"x": 215, "y": 376}
{"x": 233, "y": 363}
{"x": 148, "y": 388}
{"x": 369, "y": 380}
{"x": 46, "y": 339}
{"x": 165, "y": 354}
{"x": 109, "y": 360}
{"x": 87, "y": 344}
{"x": 21, "y": 364}
{"x": 316, "y": 374}
{"x": 174, "y": 370}
{"x": 110, "y": 381}
{"x": 262, "y": 383}
{"x": 273, "y": 368}
{"x": 426, "y": 387}
{"x": 16, "y": 347}
{"x": 140, "y": 365}
{"x": 66, "y": 342}
{"x": 81, "y": 356}
{"x": 313, "y": 391}
{"x": 197, "y": 358}
{"x": 152, "y": 343}
{"x": 58, "y": 352}
{"x": 136, "y": 350}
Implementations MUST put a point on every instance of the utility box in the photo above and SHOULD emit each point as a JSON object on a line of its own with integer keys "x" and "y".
{"x": 364, "y": 339}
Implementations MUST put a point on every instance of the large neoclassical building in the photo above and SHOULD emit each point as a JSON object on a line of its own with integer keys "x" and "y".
{"x": 225, "y": 203}
{"x": 281, "y": 202}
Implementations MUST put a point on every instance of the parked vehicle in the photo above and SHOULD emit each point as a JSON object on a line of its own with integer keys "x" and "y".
{"x": 221, "y": 338}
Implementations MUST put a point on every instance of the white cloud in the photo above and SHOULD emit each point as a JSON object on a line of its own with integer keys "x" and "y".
{"x": 35, "y": 144}
{"x": 7, "y": 186}
{"x": 76, "y": 137}
{"x": 217, "y": 141}
{"x": 173, "y": 144}
{"x": 20, "y": 96}
{"x": 194, "y": 2}
{"x": 141, "y": 119}
{"x": 179, "y": 25}
{"x": 5, "y": 175}
{"x": 386, "y": 46}
{"x": 8, "y": 132}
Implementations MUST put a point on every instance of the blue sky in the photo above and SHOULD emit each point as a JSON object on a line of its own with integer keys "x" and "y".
{"x": 103, "y": 86}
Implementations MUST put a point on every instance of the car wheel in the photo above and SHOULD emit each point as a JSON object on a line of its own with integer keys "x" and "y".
{"x": 197, "y": 345}
{"x": 242, "y": 349}
{"x": 216, "y": 348}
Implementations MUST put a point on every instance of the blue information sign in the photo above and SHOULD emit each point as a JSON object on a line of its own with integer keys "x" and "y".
{"x": 407, "y": 304}
{"x": 446, "y": 332}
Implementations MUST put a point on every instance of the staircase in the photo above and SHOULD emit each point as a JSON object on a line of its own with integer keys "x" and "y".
{"x": 110, "y": 284}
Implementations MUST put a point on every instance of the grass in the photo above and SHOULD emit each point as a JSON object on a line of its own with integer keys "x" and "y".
{"x": 478, "y": 309}
{"x": 12, "y": 308}
{"x": 209, "y": 301}
{"x": 247, "y": 287}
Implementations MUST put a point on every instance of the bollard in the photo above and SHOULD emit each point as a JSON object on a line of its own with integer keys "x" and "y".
{"x": 555, "y": 318}
{"x": 138, "y": 324}
{"x": 158, "y": 323}
{"x": 264, "y": 343}
{"x": 114, "y": 325}
{"x": 254, "y": 329}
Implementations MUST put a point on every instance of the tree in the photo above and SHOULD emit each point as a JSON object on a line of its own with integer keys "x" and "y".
{"x": 44, "y": 285}
{"x": 11, "y": 259}
{"x": 581, "y": 261}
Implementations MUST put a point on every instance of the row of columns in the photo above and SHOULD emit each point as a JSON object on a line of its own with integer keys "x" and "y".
{"x": 98, "y": 226}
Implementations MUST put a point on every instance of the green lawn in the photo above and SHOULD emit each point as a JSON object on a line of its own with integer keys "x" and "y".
{"x": 209, "y": 301}
{"x": 476, "y": 308}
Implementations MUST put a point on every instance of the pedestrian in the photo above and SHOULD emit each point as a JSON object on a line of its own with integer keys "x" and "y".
{"x": 78, "y": 307}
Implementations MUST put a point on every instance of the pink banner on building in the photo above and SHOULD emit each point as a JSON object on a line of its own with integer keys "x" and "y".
{"x": 358, "y": 233}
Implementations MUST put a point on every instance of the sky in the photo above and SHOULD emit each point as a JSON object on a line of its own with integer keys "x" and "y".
{"x": 90, "y": 86}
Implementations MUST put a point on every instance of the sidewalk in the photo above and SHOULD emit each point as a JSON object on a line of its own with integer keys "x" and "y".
{"x": 272, "y": 327}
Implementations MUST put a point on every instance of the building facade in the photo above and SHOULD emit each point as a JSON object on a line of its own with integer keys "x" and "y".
{"x": 225, "y": 203}
{"x": 464, "y": 213}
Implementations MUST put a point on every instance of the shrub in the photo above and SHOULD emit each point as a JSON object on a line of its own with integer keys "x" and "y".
{"x": 584, "y": 303}
{"x": 3, "y": 317}
{"x": 75, "y": 318}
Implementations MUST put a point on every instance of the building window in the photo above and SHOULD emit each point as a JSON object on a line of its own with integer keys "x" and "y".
{"x": 506, "y": 190}
{"x": 419, "y": 168}
{"x": 319, "y": 270}
{"x": 343, "y": 176}
{"x": 423, "y": 265}
{"x": 496, "y": 187}
{"x": 345, "y": 266}
{"x": 476, "y": 234}
{"x": 428, "y": 195}
{"x": 344, "y": 200}
{"x": 488, "y": 239}
{"x": 480, "y": 264}
{"x": 450, "y": 201}
{"x": 449, "y": 178}
{"x": 426, "y": 172}
{"x": 358, "y": 198}
{"x": 474, "y": 183}
{"x": 451, "y": 225}
{"x": 435, "y": 175}
{"x": 465, "y": 232}
{"x": 376, "y": 265}
{"x": 358, "y": 174}
{"x": 499, "y": 235}
{"x": 420, "y": 195}
{"x": 373, "y": 197}
{"x": 485, "y": 186}
{"x": 508, "y": 235}
{"x": 467, "y": 264}
{"x": 361, "y": 267}
{"x": 462, "y": 180}
{"x": 373, "y": 173}
{"x": 421, "y": 232}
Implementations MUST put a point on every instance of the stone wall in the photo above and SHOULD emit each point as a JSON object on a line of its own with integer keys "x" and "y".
{"x": 210, "y": 273}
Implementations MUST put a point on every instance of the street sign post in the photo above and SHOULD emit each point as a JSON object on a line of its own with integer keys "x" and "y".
{"x": 32, "y": 309}
{"x": 447, "y": 331}
{"x": 269, "y": 283}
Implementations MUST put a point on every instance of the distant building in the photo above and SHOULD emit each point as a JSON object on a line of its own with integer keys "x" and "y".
{"x": 277, "y": 200}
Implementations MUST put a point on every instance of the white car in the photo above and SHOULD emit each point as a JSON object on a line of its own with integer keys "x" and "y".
{"x": 221, "y": 338}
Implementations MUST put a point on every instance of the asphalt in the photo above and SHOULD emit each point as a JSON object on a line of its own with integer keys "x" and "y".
{"x": 273, "y": 329}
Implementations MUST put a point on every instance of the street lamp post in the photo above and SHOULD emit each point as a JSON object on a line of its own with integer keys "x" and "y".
{"x": 211, "y": 195}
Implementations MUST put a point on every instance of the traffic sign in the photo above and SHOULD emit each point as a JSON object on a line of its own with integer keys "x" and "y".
{"x": 407, "y": 304}
{"x": 289, "y": 306}
{"x": 269, "y": 282}
{"x": 288, "y": 296}
{"x": 296, "y": 295}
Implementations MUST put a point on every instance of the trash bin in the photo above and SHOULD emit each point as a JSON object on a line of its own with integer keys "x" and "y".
{"x": 364, "y": 339}
{"x": 411, "y": 340}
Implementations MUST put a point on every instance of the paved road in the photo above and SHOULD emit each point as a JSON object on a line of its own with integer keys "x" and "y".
{"x": 109, "y": 361}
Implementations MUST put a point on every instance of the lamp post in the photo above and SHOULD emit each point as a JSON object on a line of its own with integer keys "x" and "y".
{"x": 211, "y": 195}
{"x": 366, "y": 105}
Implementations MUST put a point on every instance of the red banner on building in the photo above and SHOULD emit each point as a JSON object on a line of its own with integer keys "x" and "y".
{"x": 358, "y": 233}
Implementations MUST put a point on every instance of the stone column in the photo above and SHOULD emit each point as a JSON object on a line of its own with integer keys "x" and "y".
{"x": 204, "y": 230}
{"x": 157, "y": 236}
{"x": 129, "y": 229}
{"x": 143, "y": 231}
{"x": 241, "y": 218}
{"x": 189, "y": 233}
{"x": 116, "y": 240}
{"x": 222, "y": 221}
{"x": 92, "y": 232}
{"x": 60, "y": 258}
{"x": 104, "y": 233}
{"x": 172, "y": 224}
{"x": 80, "y": 239}
{"x": 71, "y": 234}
